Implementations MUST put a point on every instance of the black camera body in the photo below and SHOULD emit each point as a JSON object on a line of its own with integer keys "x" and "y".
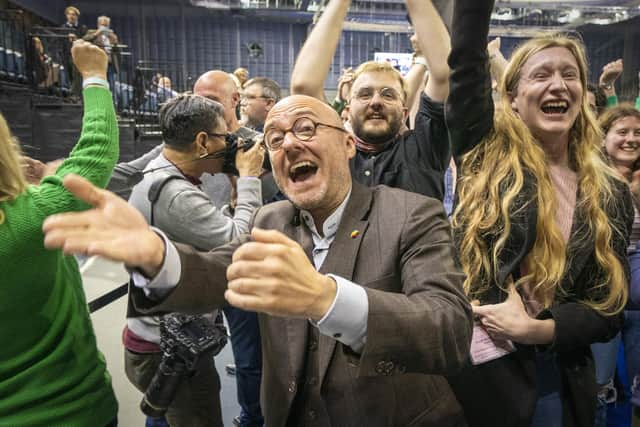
{"x": 185, "y": 340}
{"x": 229, "y": 165}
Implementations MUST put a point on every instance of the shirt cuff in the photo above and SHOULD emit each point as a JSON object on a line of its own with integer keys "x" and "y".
{"x": 167, "y": 278}
{"x": 346, "y": 319}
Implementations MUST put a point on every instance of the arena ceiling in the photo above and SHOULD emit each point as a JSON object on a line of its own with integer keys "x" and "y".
{"x": 512, "y": 15}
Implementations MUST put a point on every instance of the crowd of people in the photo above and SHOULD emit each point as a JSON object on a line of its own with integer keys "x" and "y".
{"x": 453, "y": 247}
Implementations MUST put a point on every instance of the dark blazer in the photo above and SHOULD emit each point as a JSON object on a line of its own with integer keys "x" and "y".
{"x": 503, "y": 392}
{"x": 419, "y": 323}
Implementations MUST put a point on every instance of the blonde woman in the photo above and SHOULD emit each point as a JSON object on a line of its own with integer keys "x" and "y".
{"x": 541, "y": 225}
{"x": 51, "y": 373}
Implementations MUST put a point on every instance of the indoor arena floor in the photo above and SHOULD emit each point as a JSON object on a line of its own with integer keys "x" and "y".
{"x": 100, "y": 277}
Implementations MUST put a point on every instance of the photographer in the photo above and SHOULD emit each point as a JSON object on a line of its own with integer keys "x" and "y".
{"x": 193, "y": 128}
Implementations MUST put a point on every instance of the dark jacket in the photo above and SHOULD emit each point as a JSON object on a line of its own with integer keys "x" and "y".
{"x": 503, "y": 392}
{"x": 419, "y": 321}
{"x": 416, "y": 161}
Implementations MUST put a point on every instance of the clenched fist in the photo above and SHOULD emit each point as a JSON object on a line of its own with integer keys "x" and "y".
{"x": 90, "y": 60}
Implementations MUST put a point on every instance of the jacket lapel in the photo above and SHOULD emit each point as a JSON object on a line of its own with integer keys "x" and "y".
{"x": 342, "y": 256}
{"x": 297, "y": 329}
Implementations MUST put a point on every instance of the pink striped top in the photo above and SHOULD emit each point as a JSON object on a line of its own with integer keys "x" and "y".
{"x": 565, "y": 184}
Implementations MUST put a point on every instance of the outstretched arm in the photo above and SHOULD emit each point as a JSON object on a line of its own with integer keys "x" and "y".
{"x": 112, "y": 229}
{"x": 435, "y": 44}
{"x": 316, "y": 55}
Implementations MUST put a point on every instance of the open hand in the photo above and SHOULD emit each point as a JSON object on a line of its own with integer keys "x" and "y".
{"x": 272, "y": 274}
{"x": 33, "y": 169}
{"x": 112, "y": 229}
{"x": 505, "y": 321}
{"x": 611, "y": 72}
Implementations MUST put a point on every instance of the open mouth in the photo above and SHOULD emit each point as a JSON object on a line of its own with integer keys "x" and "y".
{"x": 302, "y": 171}
{"x": 630, "y": 148}
{"x": 555, "y": 107}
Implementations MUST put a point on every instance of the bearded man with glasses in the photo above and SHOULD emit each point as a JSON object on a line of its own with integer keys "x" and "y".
{"x": 387, "y": 152}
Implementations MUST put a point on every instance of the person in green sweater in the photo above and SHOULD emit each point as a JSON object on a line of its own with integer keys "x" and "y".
{"x": 51, "y": 372}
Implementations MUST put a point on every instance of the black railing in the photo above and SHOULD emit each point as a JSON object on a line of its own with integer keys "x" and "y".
{"x": 147, "y": 86}
{"x": 12, "y": 46}
{"x": 39, "y": 57}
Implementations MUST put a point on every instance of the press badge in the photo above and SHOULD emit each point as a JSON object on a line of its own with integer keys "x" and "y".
{"x": 484, "y": 348}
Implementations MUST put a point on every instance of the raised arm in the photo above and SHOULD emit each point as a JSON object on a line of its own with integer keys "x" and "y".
{"x": 96, "y": 152}
{"x": 607, "y": 80}
{"x": 497, "y": 61}
{"x": 469, "y": 109}
{"x": 435, "y": 45}
{"x": 316, "y": 55}
{"x": 416, "y": 80}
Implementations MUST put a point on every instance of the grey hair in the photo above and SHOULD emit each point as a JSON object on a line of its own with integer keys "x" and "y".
{"x": 183, "y": 117}
{"x": 270, "y": 88}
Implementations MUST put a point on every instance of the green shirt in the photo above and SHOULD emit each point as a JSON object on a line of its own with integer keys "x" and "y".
{"x": 51, "y": 372}
{"x": 613, "y": 101}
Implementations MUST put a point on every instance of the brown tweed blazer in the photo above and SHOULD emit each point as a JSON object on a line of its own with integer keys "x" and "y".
{"x": 419, "y": 324}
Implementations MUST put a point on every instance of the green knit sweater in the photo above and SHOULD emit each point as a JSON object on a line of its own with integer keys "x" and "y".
{"x": 51, "y": 372}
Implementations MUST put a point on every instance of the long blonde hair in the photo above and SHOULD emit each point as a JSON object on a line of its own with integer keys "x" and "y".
{"x": 12, "y": 179}
{"x": 492, "y": 178}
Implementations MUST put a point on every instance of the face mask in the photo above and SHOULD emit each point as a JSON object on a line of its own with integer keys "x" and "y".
{"x": 103, "y": 28}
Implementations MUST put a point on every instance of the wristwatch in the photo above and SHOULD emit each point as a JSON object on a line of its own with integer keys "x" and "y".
{"x": 606, "y": 86}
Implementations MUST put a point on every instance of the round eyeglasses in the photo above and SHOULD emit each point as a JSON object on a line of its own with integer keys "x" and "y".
{"x": 303, "y": 129}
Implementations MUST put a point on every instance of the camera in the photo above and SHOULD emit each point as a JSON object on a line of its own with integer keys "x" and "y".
{"x": 185, "y": 340}
{"x": 229, "y": 165}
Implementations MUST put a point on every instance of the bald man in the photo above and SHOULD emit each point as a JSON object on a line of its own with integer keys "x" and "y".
{"x": 360, "y": 301}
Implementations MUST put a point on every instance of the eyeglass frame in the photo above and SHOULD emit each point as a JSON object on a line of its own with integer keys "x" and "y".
{"x": 250, "y": 97}
{"x": 225, "y": 136}
{"x": 399, "y": 96}
{"x": 290, "y": 129}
